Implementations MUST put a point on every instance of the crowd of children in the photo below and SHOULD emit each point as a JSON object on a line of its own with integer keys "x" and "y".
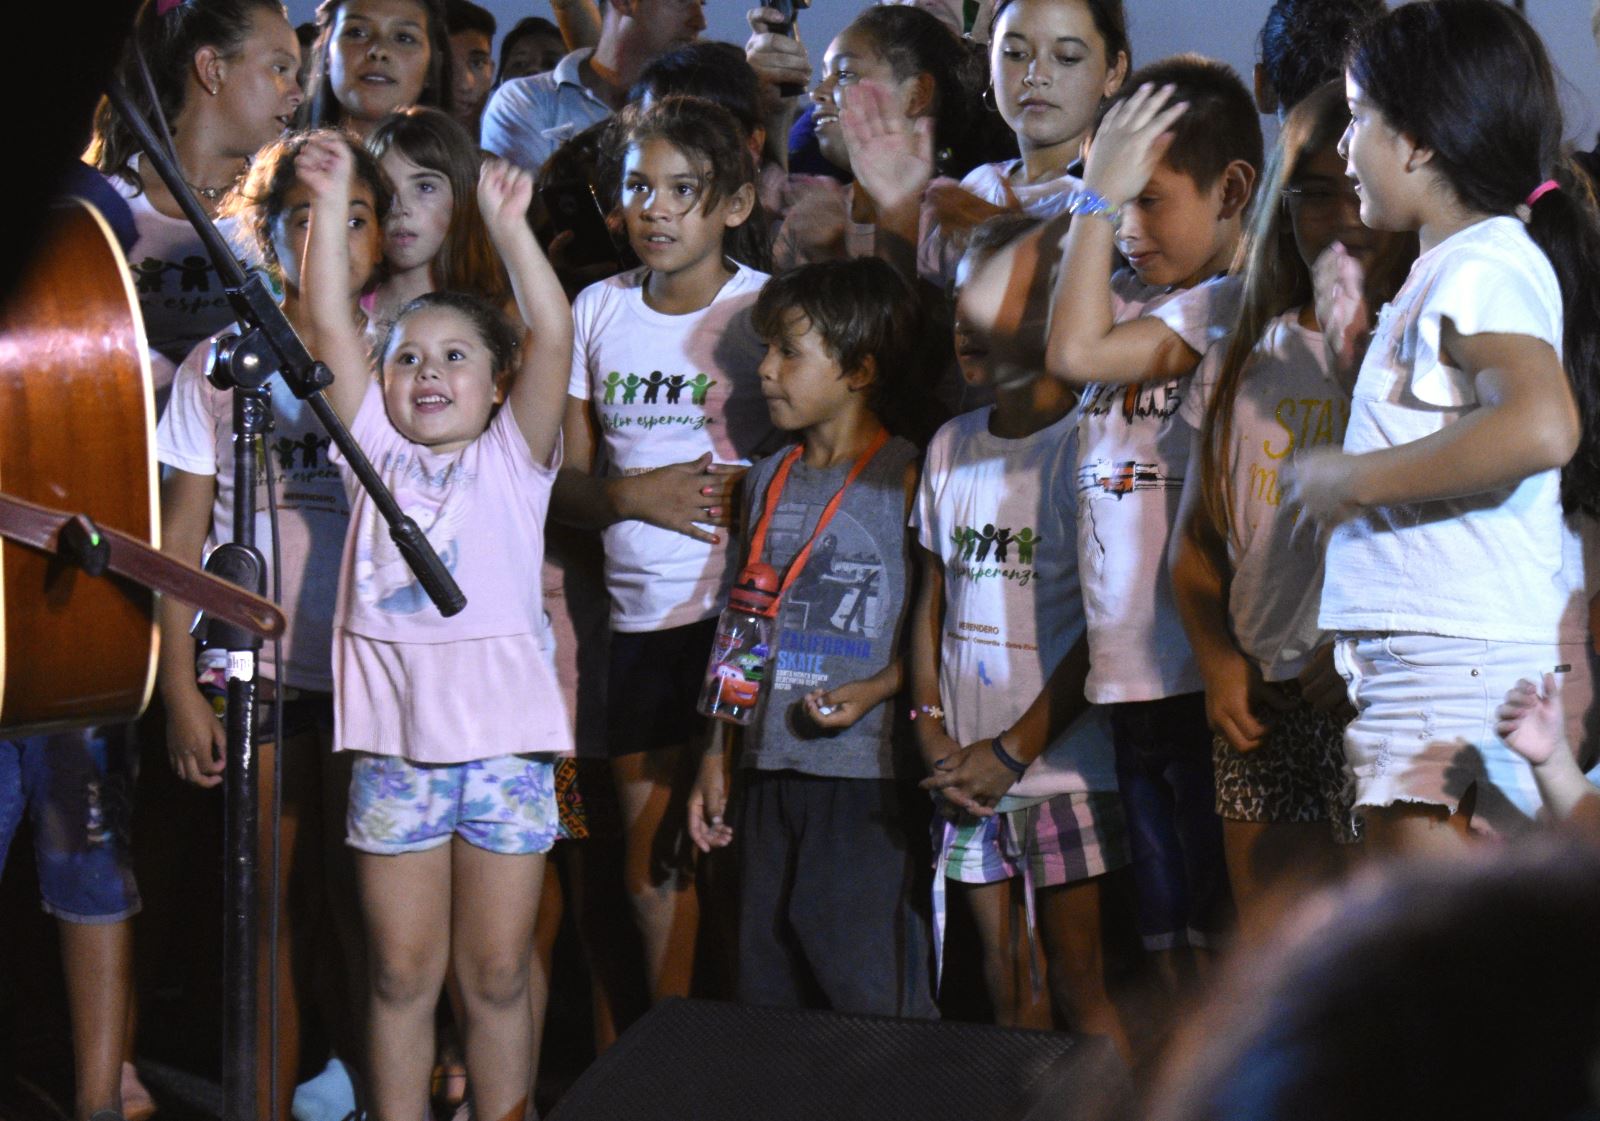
{"x": 1149, "y": 521}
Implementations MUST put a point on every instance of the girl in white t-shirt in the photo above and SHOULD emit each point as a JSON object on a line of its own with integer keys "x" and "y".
{"x": 224, "y": 72}
{"x": 1247, "y": 587}
{"x": 664, "y": 413}
{"x": 1051, "y": 65}
{"x": 456, "y": 719}
{"x": 194, "y": 442}
{"x": 1454, "y": 569}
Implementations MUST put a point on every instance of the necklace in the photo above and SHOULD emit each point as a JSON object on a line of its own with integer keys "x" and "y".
{"x": 212, "y": 194}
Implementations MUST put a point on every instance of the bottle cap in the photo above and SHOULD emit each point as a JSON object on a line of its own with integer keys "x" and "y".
{"x": 756, "y": 589}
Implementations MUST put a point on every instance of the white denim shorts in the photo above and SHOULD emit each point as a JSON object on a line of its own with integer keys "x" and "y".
{"x": 1424, "y": 729}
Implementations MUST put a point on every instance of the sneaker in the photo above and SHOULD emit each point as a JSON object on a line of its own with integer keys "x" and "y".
{"x": 330, "y": 1096}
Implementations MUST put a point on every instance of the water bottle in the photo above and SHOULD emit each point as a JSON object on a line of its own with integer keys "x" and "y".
{"x": 737, "y": 671}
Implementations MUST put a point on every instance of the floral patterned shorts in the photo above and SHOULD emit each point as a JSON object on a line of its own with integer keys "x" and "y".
{"x": 506, "y": 804}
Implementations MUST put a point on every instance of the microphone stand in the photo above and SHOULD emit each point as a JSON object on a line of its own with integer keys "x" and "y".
{"x": 245, "y": 363}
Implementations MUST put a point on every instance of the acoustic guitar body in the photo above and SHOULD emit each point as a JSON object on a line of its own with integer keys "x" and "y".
{"x": 77, "y": 426}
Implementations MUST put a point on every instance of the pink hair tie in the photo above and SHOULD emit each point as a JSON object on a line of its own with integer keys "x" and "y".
{"x": 1540, "y": 191}
{"x": 165, "y": 6}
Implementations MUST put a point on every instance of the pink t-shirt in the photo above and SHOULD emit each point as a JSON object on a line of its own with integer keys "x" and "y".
{"x": 483, "y": 510}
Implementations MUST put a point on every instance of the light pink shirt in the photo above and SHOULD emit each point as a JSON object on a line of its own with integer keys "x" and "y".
{"x": 483, "y": 510}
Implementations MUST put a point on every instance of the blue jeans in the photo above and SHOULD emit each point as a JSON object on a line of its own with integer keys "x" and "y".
{"x": 77, "y": 789}
{"x": 1169, "y": 798}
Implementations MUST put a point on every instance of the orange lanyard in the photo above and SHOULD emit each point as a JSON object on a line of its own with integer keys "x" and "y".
{"x": 758, "y": 541}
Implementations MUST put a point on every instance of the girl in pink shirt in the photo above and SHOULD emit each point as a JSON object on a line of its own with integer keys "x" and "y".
{"x": 457, "y": 719}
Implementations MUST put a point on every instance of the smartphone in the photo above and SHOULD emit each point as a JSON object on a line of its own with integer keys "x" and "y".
{"x": 790, "y": 9}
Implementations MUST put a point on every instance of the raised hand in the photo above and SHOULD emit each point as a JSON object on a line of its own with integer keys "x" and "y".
{"x": 1130, "y": 142}
{"x": 504, "y": 193}
{"x": 891, "y": 155}
{"x": 325, "y": 165}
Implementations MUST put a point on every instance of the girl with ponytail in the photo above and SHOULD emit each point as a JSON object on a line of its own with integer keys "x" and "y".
{"x": 1472, "y": 457}
{"x": 224, "y": 74}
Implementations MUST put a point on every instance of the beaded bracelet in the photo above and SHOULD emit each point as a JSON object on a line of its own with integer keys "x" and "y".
{"x": 1011, "y": 762}
{"x": 932, "y": 712}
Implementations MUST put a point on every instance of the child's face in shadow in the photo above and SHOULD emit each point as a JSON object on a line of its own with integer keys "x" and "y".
{"x": 364, "y": 234}
{"x": 801, "y": 378}
{"x": 1172, "y": 233}
{"x": 438, "y": 380}
{"x": 1003, "y": 309}
{"x": 419, "y": 217}
{"x": 1324, "y": 208}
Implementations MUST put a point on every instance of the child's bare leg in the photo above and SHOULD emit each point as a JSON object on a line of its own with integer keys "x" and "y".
{"x": 494, "y": 908}
{"x": 1069, "y": 919}
{"x": 405, "y": 901}
{"x": 658, "y": 868}
{"x": 1002, "y": 932}
{"x": 552, "y": 903}
{"x": 97, "y": 959}
{"x": 1273, "y": 865}
{"x": 1415, "y": 829}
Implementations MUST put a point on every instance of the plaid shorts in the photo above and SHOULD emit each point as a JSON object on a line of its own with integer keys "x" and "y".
{"x": 1067, "y": 838}
{"x": 506, "y": 804}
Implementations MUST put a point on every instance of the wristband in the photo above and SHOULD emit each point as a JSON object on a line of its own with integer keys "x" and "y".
{"x": 1085, "y": 201}
{"x": 932, "y": 712}
{"x": 1011, "y": 762}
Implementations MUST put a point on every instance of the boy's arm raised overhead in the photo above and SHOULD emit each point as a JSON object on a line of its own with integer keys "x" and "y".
{"x": 1085, "y": 343}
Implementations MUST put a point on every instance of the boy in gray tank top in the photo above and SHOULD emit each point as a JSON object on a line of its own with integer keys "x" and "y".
{"x": 830, "y": 839}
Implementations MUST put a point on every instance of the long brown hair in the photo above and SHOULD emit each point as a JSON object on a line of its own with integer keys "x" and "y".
{"x": 168, "y": 42}
{"x": 1276, "y": 279}
{"x": 433, "y": 139}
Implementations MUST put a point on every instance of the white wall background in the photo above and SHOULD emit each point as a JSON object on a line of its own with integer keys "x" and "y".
{"x": 1224, "y": 29}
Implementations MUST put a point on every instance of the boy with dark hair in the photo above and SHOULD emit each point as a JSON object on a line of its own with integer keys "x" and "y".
{"x": 1169, "y": 174}
{"x": 471, "y": 30}
{"x": 828, "y": 832}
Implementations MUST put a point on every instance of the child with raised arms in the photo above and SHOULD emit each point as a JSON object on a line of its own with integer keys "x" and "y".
{"x": 1472, "y": 457}
{"x": 270, "y": 210}
{"x": 452, "y": 802}
{"x": 1247, "y": 586}
{"x": 1032, "y": 821}
{"x": 664, "y": 412}
{"x": 827, "y": 838}
{"x": 1167, "y": 188}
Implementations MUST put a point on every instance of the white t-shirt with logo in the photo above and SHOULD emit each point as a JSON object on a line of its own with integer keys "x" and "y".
{"x": 667, "y": 389}
{"x": 1503, "y": 565}
{"x": 1001, "y": 516}
{"x": 1287, "y": 401}
{"x": 1133, "y": 451}
{"x": 195, "y": 434}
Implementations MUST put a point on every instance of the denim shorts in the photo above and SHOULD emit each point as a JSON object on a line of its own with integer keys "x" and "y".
{"x": 77, "y": 788}
{"x": 1425, "y": 718}
{"x": 506, "y": 804}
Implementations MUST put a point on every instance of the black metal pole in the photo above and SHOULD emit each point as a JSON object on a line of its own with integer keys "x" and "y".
{"x": 244, "y": 364}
